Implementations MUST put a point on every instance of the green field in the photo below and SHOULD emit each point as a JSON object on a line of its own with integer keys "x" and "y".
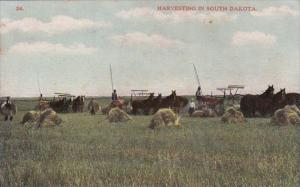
{"x": 88, "y": 151}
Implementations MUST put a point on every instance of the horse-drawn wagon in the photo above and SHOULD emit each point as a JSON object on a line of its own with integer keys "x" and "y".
{"x": 62, "y": 103}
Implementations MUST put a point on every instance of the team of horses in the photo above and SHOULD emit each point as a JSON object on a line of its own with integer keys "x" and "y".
{"x": 267, "y": 103}
{"x": 64, "y": 105}
{"x": 152, "y": 104}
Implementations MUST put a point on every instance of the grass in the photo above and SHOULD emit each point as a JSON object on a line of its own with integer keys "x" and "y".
{"x": 88, "y": 151}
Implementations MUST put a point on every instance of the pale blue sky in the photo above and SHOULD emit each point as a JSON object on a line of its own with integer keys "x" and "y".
{"x": 69, "y": 45}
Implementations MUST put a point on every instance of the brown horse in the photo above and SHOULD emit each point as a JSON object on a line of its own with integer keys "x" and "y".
{"x": 257, "y": 103}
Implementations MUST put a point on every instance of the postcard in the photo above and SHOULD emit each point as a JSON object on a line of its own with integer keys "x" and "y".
{"x": 149, "y": 93}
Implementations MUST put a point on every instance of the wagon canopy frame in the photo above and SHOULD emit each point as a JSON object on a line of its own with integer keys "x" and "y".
{"x": 139, "y": 94}
{"x": 63, "y": 95}
{"x": 233, "y": 90}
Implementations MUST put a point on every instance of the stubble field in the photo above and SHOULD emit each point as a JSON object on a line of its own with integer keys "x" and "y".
{"x": 89, "y": 151}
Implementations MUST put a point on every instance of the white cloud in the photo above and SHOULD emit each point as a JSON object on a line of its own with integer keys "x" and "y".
{"x": 276, "y": 11}
{"x": 136, "y": 38}
{"x": 146, "y": 13}
{"x": 244, "y": 38}
{"x": 56, "y": 25}
{"x": 50, "y": 48}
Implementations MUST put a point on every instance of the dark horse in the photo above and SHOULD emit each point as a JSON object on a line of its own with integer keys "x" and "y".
{"x": 181, "y": 102}
{"x": 60, "y": 105}
{"x": 78, "y": 104}
{"x": 257, "y": 103}
{"x": 292, "y": 99}
{"x": 155, "y": 104}
{"x": 174, "y": 102}
{"x": 169, "y": 101}
{"x": 144, "y": 105}
{"x": 278, "y": 100}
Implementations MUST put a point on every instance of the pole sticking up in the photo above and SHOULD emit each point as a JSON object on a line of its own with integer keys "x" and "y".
{"x": 38, "y": 84}
{"x": 111, "y": 78}
{"x": 197, "y": 76}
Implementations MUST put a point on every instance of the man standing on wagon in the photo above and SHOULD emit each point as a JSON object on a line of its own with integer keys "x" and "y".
{"x": 198, "y": 93}
{"x": 114, "y": 96}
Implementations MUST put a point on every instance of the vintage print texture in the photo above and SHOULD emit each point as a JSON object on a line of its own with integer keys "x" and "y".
{"x": 150, "y": 93}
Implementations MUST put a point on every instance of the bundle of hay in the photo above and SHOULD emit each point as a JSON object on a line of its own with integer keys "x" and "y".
{"x": 105, "y": 110}
{"x": 42, "y": 105}
{"x": 47, "y": 117}
{"x": 290, "y": 114}
{"x": 164, "y": 117}
{"x": 204, "y": 113}
{"x": 219, "y": 109}
{"x": 232, "y": 115}
{"x": 117, "y": 115}
{"x": 30, "y": 117}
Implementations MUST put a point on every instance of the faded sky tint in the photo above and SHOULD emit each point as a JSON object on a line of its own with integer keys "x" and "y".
{"x": 67, "y": 46}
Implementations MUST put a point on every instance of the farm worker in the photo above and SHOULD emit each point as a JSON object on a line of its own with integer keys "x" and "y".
{"x": 7, "y": 104}
{"x": 8, "y": 100}
{"x": 198, "y": 94}
{"x": 114, "y": 96}
{"x": 192, "y": 107}
{"x": 41, "y": 97}
{"x": 91, "y": 106}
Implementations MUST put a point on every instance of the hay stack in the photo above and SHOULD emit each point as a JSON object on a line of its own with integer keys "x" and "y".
{"x": 105, "y": 110}
{"x": 232, "y": 115}
{"x": 46, "y": 118}
{"x": 42, "y": 105}
{"x": 290, "y": 114}
{"x": 117, "y": 115}
{"x": 164, "y": 117}
{"x": 30, "y": 117}
{"x": 204, "y": 113}
{"x": 49, "y": 118}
